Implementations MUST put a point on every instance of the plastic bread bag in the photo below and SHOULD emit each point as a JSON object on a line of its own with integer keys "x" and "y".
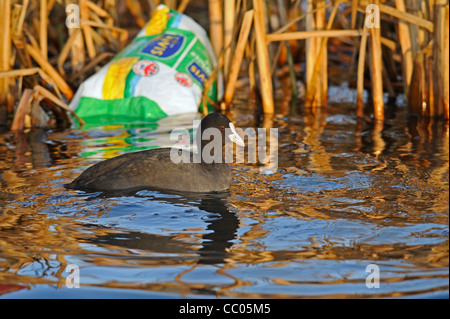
{"x": 162, "y": 72}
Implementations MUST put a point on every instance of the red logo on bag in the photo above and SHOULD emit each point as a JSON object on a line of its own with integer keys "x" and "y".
{"x": 183, "y": 79}
{"x": 145, "y": 68}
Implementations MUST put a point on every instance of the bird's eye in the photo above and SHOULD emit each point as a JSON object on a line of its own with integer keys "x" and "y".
{"x": 222, "y": 127}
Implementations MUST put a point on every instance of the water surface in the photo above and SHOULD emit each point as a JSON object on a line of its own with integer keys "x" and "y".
{"x": 346, "y": 194}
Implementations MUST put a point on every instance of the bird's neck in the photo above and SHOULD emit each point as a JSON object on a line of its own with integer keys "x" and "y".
{"x": 210, "y": 152}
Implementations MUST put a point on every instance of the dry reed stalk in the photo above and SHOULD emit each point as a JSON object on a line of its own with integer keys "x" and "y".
{"x": 215, "y": 25}
{"x": 286, "y": 45}
{"x": 136, "y": 11}
{"x": 228, "y": 32}
{"x": 76, "y": 47}
{"x": 431, "y": 107}
{"x": 354, "y": 10}
{"x": 387, "y": 82}
{"x": 311, "y": 48}
{"x": 16, "y": 73}
{"x": 99, "y": 11}
{"x": 405, "y": 16}
{"x": 65, "y": 50}
{"x": 414, "y": 31}
{"x": 123, "y": 33}
{"x": 408, "y": 17}
{"x": 98, "y": 59}
{"x": 48, "y": 68}
{"x": 153, "y": 4}
{"x": 360, "y": 74}
{"x": 30, "y": 71}
{"x": 32, "y": 39}
{"x": 422, "y": 11}
{"x": 237, "y": 57}
{"x": 17, "y": 20}
{"x": 418, "y": 96}
{"x": 98, "y": 40}
{"x": 405, "y": 45}
{"x": 250, "y": 53}
{"x": 21, "y": 20}
{"x": 262, "y": 56}
{"x": 106, "y": 33}
{"x": 88, "y": 38}
{"x": 390, "y": 56}
{"x": 299, "y": 18}
{"x": 388, "y": 43}
{"x": 445, "y": 66}
{"x": 50, "y": 96}
{"x": 376, "y": 72}
{"x": 50, "y": 4}
{"x": 322, "y": 59}
{"x": 440, "y": 60}
{"x": 43, "y": 28}
{"x": 316, "y": 93}
{"x": 84, "y": 14}
{"x": 5, "y": 48}
{"x": 302, "y": 35}
{"x": 78, "y": 56}
{"x": 182, "y": 6}
{"x": 22, "y": 110}
{"x": 172, "y": 4}
{"x": 205, "y": 98}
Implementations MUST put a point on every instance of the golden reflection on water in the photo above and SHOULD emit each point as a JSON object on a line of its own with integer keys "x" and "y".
{"x": 346, "y": 194}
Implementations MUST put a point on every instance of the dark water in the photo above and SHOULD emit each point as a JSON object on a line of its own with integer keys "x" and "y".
{"x": 346, "y": 195}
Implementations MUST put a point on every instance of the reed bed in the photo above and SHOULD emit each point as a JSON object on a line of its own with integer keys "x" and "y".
{"x": 399, "y": 47}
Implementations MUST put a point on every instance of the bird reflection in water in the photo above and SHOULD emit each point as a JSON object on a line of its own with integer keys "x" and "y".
{"x": 221, "y": 229}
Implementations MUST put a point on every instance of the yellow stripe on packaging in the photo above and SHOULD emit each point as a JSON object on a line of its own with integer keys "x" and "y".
{"x": 158, "y": 23}
{"x": 115, "y": 78}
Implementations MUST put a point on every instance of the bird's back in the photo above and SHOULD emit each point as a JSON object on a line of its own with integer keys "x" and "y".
{"x": 154, "y": 169}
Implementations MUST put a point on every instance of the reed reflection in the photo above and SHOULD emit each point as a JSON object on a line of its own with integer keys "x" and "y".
{"x": 315, "y": 123}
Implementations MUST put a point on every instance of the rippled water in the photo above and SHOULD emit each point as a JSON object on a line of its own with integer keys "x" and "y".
{"x": 346, "y": 194}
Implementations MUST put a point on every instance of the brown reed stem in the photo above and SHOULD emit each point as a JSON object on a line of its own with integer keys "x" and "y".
{"x": 215, "y": 25}
{"x": 360, "y": 74}
{"x": 22, "y": 110}
{"x": 302, "y": 35}
{"x": 445, "y": 66}
{"x": 316, "y": 93}
{"x": 405, "y": 45}
{"x": 354, "y": 10}
{"x": 282, "y": 13}
{"x": 229, "y": 18}
{"x": 43, "y": 28}
{"x": 84, "y": 13}
{"x": 377, "y": 73}
{"x": 310, "y": 50}
{"x": 5, "y": 47}
{"x": 136, "y": 11}
{"x": 48, "y": 68}
{"x": 182, "y": 6}
{"x": 440, "y": 60}
{"x": 48, "y": 95}
{"x": 322, "y": 68}
{"x": 237, "y": 57}
{"x": 262, "y": 56}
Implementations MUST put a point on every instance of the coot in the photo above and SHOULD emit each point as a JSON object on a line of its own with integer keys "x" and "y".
{"x": 156, "y": 168}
